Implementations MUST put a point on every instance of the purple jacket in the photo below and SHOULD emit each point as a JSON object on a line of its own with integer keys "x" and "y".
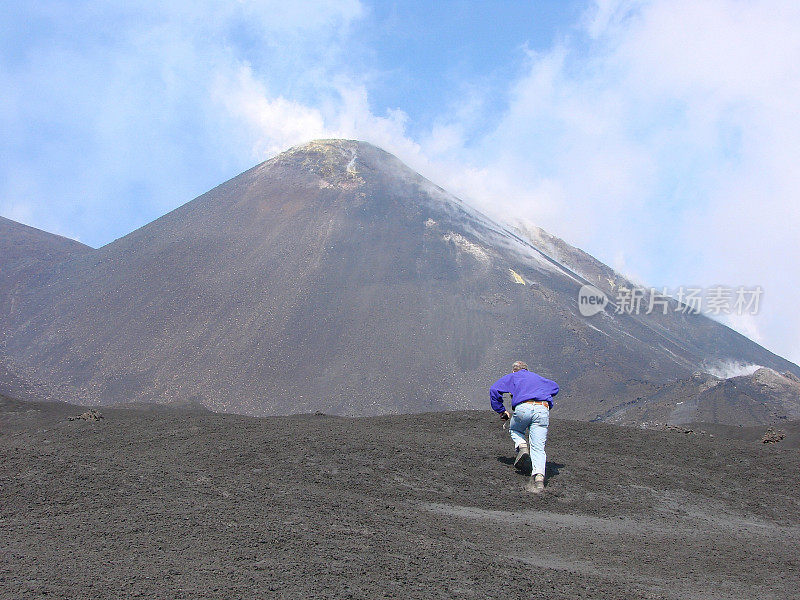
{"x": 522, "y": 385}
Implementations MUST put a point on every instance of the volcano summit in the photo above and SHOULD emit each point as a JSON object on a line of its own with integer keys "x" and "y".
{"x": 334, "y": 278}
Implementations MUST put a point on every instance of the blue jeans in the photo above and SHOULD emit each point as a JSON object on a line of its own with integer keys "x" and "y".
{"x": 536, "y": 419}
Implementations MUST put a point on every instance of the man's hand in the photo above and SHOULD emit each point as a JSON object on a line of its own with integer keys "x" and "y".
{"x": 506, "y": 415}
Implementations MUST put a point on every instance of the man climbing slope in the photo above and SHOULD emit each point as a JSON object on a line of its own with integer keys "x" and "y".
{"x": 531, "y": 401}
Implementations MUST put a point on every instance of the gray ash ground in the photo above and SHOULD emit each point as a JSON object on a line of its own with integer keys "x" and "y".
{"x": 157, "y": 503}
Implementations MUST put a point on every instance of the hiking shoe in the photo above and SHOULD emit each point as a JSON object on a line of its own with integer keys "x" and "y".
{"x": 536, "y": 484}
{"x": 523, "y": 459}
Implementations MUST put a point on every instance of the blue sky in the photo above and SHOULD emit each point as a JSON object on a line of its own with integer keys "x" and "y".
{"x": 661, "y": 136}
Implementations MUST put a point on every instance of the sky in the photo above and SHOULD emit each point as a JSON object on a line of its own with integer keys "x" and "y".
{"x": 662, "y": 137}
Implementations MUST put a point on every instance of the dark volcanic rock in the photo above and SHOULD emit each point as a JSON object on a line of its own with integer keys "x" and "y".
{"x": 22, "y": 246}
{"x": 791, "y": 376}
{"x": 771, "y": 436}
{"x": 28, "y": 256}
{"x": 29, "y": 259}
{"x": 334, "y": 278}
{"x": 180, "y": 504}
{"x": 89, "y": 415}
{"x": 760, "y": 398}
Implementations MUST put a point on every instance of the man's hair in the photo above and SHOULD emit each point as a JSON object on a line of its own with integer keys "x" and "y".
{"x": 518, "y": 366}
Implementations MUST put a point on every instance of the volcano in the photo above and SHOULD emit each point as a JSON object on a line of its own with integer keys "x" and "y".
{"x": 333, "y": 278}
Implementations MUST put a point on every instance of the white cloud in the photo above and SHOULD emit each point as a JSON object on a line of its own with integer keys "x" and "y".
{"x": 273, "y": 123}
{"x": 728, "y": 369}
